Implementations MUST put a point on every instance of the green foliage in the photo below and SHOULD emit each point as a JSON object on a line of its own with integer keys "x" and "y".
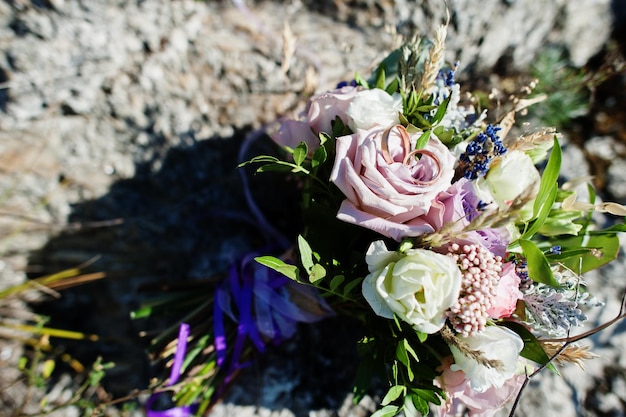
{"x": 387, "y": 411}
{"x": 538, "y": 266}
{"x": 564, "y": 85}
{"x": 547, "y": 192}
{"x": 278, "y": 265}
{"x": 393, "y": 394}
{"x": 412, "y": 366}
{"x": 597, "y": 249}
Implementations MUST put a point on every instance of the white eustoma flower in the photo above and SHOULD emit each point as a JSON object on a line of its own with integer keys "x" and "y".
{"x": 418, "y": 286}
{"x": 506, "y": 180}
{"x": 495, "y": 343}
{"x": 374, "y": 108}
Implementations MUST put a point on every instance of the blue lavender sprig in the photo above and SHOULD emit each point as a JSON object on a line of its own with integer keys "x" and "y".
{"x": 479, "y": 153}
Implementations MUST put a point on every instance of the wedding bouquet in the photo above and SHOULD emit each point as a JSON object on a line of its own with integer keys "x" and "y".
{"x": 452, "y": 240}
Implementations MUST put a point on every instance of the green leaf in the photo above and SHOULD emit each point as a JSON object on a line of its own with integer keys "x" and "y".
{"x": 336, "y": 282}
{"x": 300, "y": 153}
{"x": 410, "y": 350}
{"x": 421, "y": 336}
{"x": 197, "y": 348}
{"x": 562, "y": 222}
{"x": 380, "y": 79}
{"x": 403, "y": 119}
{"x": 538, "y": 265}
{"x": 317, "y": 272}
{"x": 393, "y": 87}
{"x": 441, "y": 111}
{"x": 445, "y": 136}
{"x": 277, "y": 167}
{"x": 387, "y": 411}
{"x": 592, "y": 194}
{"x": 306, "y": 254}
{"x": 566, "y": 254}
{"x": 290, "y": 271}
{"x": 393, "y": 394}
{"x": 339, "y": 128}
{"x": 603, "y": 249}
{"x": 422, "y": 140}
{"x": 420, "y": 404}
{"x": 319, "y": 157}
{"x": 617, "y": 228}
{"x": 544, "y": 211}
{"x": 360, "y": 80}
{"x": 347, "y": 289}
{"x": 394, "y": 370}
{"x": 549, "y": 178}
{"x": 403, "y": 356}
{"x": 396, "y": 320}
{"x": 421, "y": 121}
{"x": 409, "y": 373}
{"x": 259, "y": 158}
{"x": 427, "y": 394}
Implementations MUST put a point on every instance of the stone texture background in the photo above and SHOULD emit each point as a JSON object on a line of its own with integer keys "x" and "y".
{"x": 120, "y": 126}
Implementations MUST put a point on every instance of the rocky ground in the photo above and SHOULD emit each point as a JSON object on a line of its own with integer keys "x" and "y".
{"x": 120, "y": 127}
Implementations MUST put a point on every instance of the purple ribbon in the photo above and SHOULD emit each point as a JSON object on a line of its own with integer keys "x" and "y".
{"x": 239, "y": 284}
{"x": 264, "y": 310}
{"x": 175, "y": 372}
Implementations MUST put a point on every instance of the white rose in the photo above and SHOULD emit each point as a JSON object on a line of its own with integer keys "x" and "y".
{"x": 494, "y": 343}
{"x": 418, "y": 286}
{"x": 507, "y": 180}
{"x": 372, "y": 108}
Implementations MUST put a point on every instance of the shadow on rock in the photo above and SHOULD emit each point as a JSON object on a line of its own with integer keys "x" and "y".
{"x": 180, "y": 226}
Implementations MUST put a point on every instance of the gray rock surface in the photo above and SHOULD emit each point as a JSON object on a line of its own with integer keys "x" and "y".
{"x": 115, "y": 110}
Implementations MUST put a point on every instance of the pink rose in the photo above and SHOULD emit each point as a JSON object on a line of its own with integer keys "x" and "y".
{"x": 507, "y": 293}
{"x": 387, "y": 183}
{"x": 461, "y": 397}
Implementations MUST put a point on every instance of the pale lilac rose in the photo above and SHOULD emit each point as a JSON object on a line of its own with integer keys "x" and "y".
{"x": 387, "y": 185}
{"x": 323, "y": 108}
{"x": 374, "y": 108}
{"x": 418, "y": 286}
{"x": 460, "y": 397}
{"x": 292, "y": 132}
{"x": 507, "y": 293}
{"x": 495, "y": 343}
{"x": 495, "y": 240}
{"x": 449, "y": 207}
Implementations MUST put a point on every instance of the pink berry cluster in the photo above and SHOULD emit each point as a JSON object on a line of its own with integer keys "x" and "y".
{"x": 481, "y": 272}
